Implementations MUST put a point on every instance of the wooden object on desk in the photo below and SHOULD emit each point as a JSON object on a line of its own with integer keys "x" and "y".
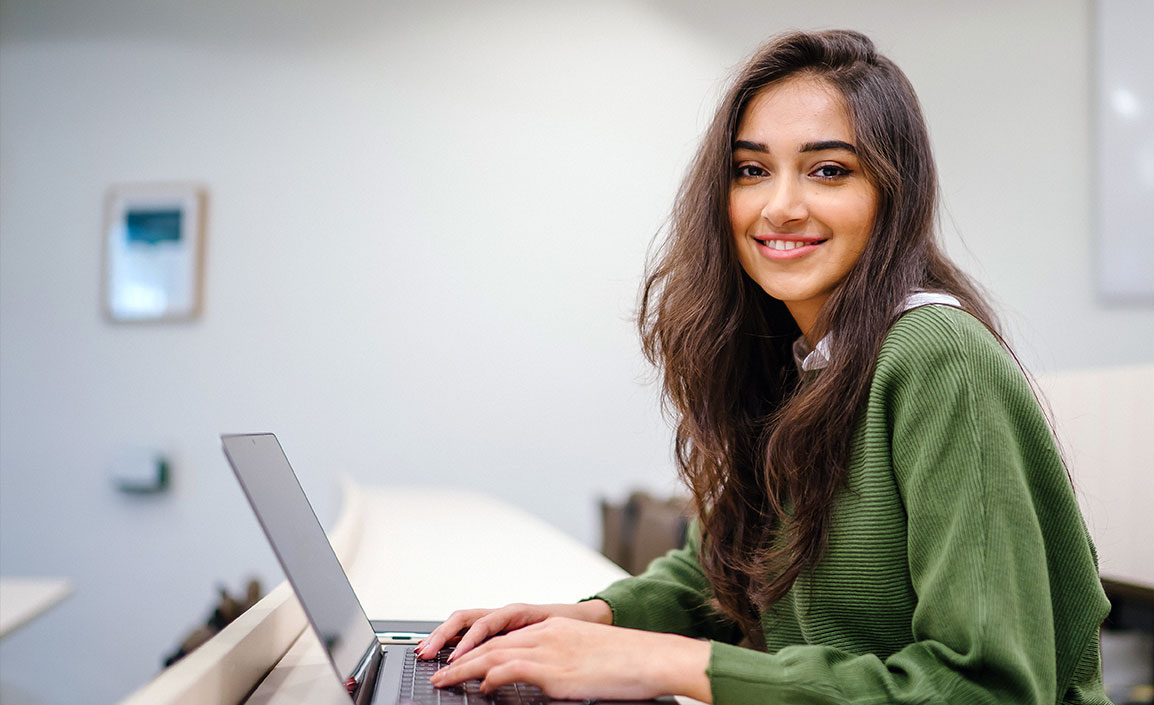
{"x": 23, "y": 599}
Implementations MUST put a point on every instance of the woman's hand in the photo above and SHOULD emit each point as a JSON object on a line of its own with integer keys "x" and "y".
{"x": 574, "y": 660}
{"x": 482, "y": 624}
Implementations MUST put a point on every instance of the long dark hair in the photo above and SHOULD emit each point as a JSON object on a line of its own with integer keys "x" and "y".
{"x": 763, "y": 452}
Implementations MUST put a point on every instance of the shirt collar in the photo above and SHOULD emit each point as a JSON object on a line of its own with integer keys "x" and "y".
{"x": 817, "y": 358}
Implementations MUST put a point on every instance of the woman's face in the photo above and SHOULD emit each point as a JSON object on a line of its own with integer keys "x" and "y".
{"x": 800, "y": 206}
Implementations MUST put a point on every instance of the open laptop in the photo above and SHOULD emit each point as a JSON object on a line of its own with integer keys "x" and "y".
{"x": 368, "y": 656}
{"x": 374, "y": 660}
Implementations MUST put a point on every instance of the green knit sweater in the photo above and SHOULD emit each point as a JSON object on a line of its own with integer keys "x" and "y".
{"x": 958, "y": 568}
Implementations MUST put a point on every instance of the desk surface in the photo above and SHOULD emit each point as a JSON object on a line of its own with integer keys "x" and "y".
{"x": 22, "y": 599}
{"x": 424, "y": 553}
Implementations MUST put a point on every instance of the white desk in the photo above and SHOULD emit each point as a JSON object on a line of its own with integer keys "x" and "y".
{"x": 424, "y": 553}
{"x": 410, "y": 554}
{"x": 22, "y": 599}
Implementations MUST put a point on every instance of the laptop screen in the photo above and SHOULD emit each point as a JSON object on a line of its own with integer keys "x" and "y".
{"x": 302, "y": 547}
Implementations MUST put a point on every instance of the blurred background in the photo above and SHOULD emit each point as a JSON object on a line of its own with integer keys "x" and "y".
{"x": 426, "y": 228}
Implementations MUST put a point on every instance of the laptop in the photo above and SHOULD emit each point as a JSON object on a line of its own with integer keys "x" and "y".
{"x": 374, "y": 660}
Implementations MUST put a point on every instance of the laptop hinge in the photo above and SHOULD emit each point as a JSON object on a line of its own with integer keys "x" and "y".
{"x": 364, "y": 678}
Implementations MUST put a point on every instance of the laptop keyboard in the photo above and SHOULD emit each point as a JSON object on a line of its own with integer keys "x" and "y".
{"x": 416, "y": 688}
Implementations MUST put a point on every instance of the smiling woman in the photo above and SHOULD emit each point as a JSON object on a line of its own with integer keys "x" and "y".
{"x": 882, "y": 511}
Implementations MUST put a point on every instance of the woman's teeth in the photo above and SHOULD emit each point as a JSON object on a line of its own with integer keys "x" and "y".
{"x": 786, "y": 244}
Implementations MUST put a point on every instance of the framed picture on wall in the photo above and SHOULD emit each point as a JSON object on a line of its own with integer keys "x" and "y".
{"x": 153, "y": 252}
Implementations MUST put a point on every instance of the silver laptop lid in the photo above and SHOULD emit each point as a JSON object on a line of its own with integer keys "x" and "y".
{"x": 303, "y": 550}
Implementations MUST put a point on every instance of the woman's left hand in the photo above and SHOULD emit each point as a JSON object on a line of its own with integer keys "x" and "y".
{"x": 574, "y": 660}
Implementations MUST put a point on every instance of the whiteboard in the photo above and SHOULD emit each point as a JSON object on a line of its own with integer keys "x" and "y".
{"x": 1124, "y": 150}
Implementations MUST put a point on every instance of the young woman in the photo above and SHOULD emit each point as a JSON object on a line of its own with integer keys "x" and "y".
{"x": 883, "y": 514}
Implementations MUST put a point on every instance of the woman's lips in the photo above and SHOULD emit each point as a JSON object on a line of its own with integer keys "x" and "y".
{"x": 792, "y": 247}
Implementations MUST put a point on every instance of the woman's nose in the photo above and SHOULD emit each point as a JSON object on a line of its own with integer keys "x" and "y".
{"x": 785, "y": 202}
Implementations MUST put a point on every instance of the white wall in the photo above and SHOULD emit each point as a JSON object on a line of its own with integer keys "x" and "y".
{"x": 425, "y": 233}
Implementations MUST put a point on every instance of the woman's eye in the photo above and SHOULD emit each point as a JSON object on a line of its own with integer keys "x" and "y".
{"x": 830, "y": 171}
{"x": 749, "y": 171}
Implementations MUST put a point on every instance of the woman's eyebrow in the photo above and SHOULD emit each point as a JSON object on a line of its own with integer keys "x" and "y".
{"x": 751, "y": 146}
{"x": 826, "y": 145}
{"x": 819, "y": 146}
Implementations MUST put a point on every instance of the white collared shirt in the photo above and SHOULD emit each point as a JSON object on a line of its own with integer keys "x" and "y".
{"x": 817, "y": 358}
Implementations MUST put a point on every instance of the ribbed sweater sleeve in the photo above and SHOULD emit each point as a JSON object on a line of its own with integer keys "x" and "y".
{"x": 1007, "y": 598}
{"x": 672, "y": 595}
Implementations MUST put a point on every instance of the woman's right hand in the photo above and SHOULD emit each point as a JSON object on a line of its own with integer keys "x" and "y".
{"x": 479, "y": 625}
